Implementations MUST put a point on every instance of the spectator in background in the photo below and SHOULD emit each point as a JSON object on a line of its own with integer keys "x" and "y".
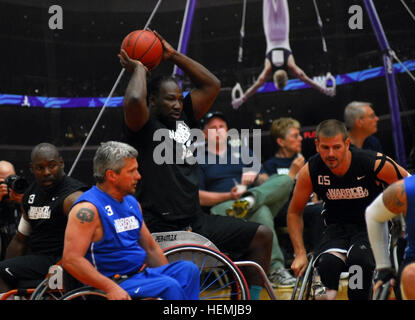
{"x": 38, "y": 243}
{"x": 224, "y": 183}
{"x": 361, "y": 122}
{"x": 9, "y": 208}
{"x": 285, "y": 133}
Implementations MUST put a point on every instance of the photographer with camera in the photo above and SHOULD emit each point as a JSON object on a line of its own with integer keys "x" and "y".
{"x": 11, "y": 194}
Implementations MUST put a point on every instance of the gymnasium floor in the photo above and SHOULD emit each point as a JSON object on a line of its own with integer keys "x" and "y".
{"x": 285, "y": 294}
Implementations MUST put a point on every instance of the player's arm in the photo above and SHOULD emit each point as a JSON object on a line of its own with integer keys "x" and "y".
{"x": 18, "y": 244}
{"x": 301, "y": 195}
{"x": 155, "y": 255}
{"x": 82, "y": 229}
{"x": 70, "y": 200}
{"x": 389, "y": 172}
{"x": 385, "y": 207}
{"x": 136, "y": 112}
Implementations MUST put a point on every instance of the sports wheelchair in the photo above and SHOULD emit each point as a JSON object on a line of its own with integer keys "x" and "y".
{"x": 397, "y": 243}
{"x": 220, "y": 277}
{"x": 303, "y": 289}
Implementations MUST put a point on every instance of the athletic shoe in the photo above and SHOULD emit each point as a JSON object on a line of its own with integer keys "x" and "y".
{"x": 239, "y": 209}
{"x": 282, "y": 278}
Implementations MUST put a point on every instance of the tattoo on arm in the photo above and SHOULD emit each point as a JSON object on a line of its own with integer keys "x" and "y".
{"x": 85, "y": 215}
{"x": 394, "y": 197}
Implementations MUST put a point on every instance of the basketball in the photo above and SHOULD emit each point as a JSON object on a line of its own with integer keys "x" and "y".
{"x": 143, "y": 45}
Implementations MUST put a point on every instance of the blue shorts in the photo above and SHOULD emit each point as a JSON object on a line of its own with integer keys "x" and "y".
{"x": 179, "y": 280}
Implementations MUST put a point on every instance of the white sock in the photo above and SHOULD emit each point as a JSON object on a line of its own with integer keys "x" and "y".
{"x": 250, "y": 200}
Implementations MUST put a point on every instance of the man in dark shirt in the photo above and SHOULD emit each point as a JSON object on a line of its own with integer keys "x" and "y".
{"x": 169, "y": 189}
{"x": 235, "y": 184}
{"x": 38, "y": 243}
{"x": 347, "y": 180}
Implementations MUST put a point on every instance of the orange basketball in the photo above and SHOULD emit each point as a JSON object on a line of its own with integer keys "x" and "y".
{"x": 143, "y": 45}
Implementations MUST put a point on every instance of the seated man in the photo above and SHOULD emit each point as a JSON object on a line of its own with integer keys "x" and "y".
{"x": 38, "y": 242}
{"x": 361, "y": 122}
{"x": 399, "y": 198}
{"x": 260, "y": 203}
{"x": 285, "y": 133}
{"x": 106, "y": 235}
{"x": 347, "y": 180}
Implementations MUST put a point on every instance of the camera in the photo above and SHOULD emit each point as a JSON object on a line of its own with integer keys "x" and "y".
{"x": 16, "y": 183}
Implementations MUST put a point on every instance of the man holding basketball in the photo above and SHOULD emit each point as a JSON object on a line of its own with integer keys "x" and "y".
{"x": 169, "y": 192}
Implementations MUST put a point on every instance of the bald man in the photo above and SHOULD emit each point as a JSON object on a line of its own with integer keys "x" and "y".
{"x": 38, "y": 243}
{"x": 9, "y": 208}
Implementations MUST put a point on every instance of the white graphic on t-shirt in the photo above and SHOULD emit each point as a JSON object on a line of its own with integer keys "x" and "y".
{"x": 347, "y": 193}
{"x": 126, "y": 224}
{"x": 39, "y": 213}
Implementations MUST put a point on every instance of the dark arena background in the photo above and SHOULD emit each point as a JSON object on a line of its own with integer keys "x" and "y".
{"x": 80, "y": 60}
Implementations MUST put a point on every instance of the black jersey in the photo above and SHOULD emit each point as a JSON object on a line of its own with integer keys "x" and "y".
{"x": 167, "y": 191}
{"x": 47, "y": 219}
{"x": 346, "y": 198}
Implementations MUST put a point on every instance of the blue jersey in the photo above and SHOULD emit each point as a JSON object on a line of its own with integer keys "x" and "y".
{"x": 118, "y": 252}
{"x": 410, "y": 216}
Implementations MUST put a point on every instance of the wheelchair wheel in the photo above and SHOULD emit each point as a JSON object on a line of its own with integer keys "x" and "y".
{"x": 84, "y": 293}
{"x": 43, "y": 292}
{"x": 303, "y": 284}
{"x": 220, "y": 278}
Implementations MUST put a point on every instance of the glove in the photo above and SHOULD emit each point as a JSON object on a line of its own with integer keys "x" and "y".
{"x": 237, "y": 102}
{"x": 385, "y": 275}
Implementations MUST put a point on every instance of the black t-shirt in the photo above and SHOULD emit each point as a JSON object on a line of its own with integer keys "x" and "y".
{"x": 346, "y": 198}
{"x": 277, "y": 165}
{"x": 47, "y": 219}
{"x": 168, "y": 190}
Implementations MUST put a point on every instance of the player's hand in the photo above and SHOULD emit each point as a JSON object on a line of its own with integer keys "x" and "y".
{"x": 299, "y": 265}
{"x": 383, "y": 276}
{"x": 237, "y": 102}
{"x": 168, "y": 50}
{"x": 118, "y": 293}
{"x": 128, "y": 63}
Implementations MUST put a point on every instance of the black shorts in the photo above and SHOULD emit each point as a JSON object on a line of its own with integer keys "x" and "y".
{"x": 279, "y": 58}
{"x": 231, "y": 235}
{"x": 341, "y": 237}
{"x": 26, "y": 271}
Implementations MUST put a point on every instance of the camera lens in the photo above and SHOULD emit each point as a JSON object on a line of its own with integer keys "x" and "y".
{"x": 16, "y": 183}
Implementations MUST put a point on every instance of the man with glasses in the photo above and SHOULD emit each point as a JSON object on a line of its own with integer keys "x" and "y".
{"x": 361, "y": 122}
{"x": 38, "y": 243}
